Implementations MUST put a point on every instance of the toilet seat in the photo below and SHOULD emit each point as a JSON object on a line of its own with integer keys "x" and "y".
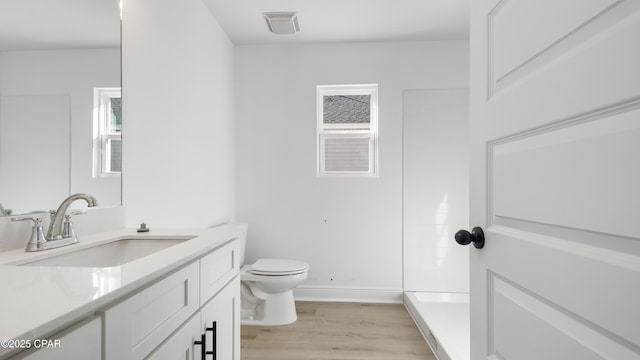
{"x": 278, "y": 267}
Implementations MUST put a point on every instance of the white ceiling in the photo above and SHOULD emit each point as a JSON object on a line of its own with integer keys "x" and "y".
{"x": 345, "y": 20}
{"x": 64, "y": 24}
{"x": 59, "y": 24}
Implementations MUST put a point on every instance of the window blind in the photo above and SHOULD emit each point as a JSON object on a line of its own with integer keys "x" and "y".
{"x": 347, "y": 154}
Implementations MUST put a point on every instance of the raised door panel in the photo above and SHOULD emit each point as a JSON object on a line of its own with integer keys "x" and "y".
{"x": 569, "y": 73}
{"x": 571, "y": 298}
{"x": 217, "y": 268}
{"x": 514, "y": 44}
{"x": 579, "y": 175}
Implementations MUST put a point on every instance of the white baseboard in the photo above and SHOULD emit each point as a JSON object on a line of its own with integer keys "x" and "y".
{"x": 329, "y": 294}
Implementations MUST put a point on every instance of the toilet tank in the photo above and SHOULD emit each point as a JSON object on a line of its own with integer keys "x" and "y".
{"x": 242, "y": 238}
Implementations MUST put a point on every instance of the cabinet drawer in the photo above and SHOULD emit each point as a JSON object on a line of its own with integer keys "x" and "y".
{"x": 134, "y": 327}
{"x": 217, "y": 269}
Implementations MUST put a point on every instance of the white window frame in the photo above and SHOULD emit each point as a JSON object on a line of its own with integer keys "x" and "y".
{"x": 325, "y": 131}
{"x": 101, "y": 131}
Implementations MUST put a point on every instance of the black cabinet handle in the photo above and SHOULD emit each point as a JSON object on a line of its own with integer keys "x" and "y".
{"x": 476, "y": 236}
{"x": 214, "y": 347}
{"x": 203, "y": 342}
{"x": 203, "y": 346}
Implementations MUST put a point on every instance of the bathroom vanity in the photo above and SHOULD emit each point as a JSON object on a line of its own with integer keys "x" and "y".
{"x": 147, "y": 299}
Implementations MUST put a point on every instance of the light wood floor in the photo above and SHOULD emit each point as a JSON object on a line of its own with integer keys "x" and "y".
{"x": 342, "y": 331}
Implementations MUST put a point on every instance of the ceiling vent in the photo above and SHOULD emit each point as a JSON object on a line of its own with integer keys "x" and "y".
{"x": 282, "y": 22}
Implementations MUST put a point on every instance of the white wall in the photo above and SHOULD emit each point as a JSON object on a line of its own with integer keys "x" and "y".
{"x": 178, "y": 103}
{"x": 348, "y": 230}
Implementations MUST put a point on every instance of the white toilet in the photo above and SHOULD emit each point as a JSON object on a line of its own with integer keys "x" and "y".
{"x": 267, "y": 299}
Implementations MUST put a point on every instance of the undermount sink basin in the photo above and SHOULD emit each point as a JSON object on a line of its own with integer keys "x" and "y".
{"x": 113, "y": 253}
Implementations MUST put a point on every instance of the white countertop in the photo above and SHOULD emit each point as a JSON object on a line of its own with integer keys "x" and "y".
{"x": 37, "y": 301}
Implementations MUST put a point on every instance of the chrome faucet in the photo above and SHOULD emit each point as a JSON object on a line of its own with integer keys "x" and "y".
{"x": 61, "y": 231}
{"x": 58, "y": 216}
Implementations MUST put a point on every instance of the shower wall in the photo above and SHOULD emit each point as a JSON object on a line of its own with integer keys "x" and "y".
{"x": 435, "y": 189}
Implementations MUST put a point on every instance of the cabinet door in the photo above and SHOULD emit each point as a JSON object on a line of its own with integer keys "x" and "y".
{"x": 181, "y": 345}
{"x": 224, "y": 309}
{"x": 82, "y": 341}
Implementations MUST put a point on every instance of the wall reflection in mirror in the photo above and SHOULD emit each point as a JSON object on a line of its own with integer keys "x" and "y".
{"x": 60, "y": 126}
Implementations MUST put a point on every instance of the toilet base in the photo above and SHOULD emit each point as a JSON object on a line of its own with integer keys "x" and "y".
{"x": 274, "y": 310}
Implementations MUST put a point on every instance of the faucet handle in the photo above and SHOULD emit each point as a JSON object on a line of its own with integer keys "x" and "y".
{"x": 67, "y": 226}
{"x": 37, "y": 240}
{"x": 33, "y": 216}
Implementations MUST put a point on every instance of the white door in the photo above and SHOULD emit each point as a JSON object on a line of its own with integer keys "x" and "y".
{"x": 555, "y": 174}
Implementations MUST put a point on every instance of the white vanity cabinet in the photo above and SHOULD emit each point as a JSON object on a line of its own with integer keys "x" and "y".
{"x": 164, "y": 319}
{"x": 157, "y": 305}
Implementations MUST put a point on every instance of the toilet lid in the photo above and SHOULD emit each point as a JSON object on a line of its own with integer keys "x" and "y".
{"x": 278, "y": 267}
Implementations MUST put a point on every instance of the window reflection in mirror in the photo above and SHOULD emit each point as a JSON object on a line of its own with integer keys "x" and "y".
{"x": 107, "y": 122}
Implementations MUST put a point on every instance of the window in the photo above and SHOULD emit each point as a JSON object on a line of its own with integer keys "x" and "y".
{"x": 107, "y": 149}
{"x": 347, "y": 119}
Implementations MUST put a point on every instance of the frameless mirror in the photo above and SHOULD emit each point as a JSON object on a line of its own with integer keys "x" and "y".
{"x": 59, "y": 102}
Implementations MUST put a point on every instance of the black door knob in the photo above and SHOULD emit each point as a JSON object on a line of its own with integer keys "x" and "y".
{"x": 476, "y": 236}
